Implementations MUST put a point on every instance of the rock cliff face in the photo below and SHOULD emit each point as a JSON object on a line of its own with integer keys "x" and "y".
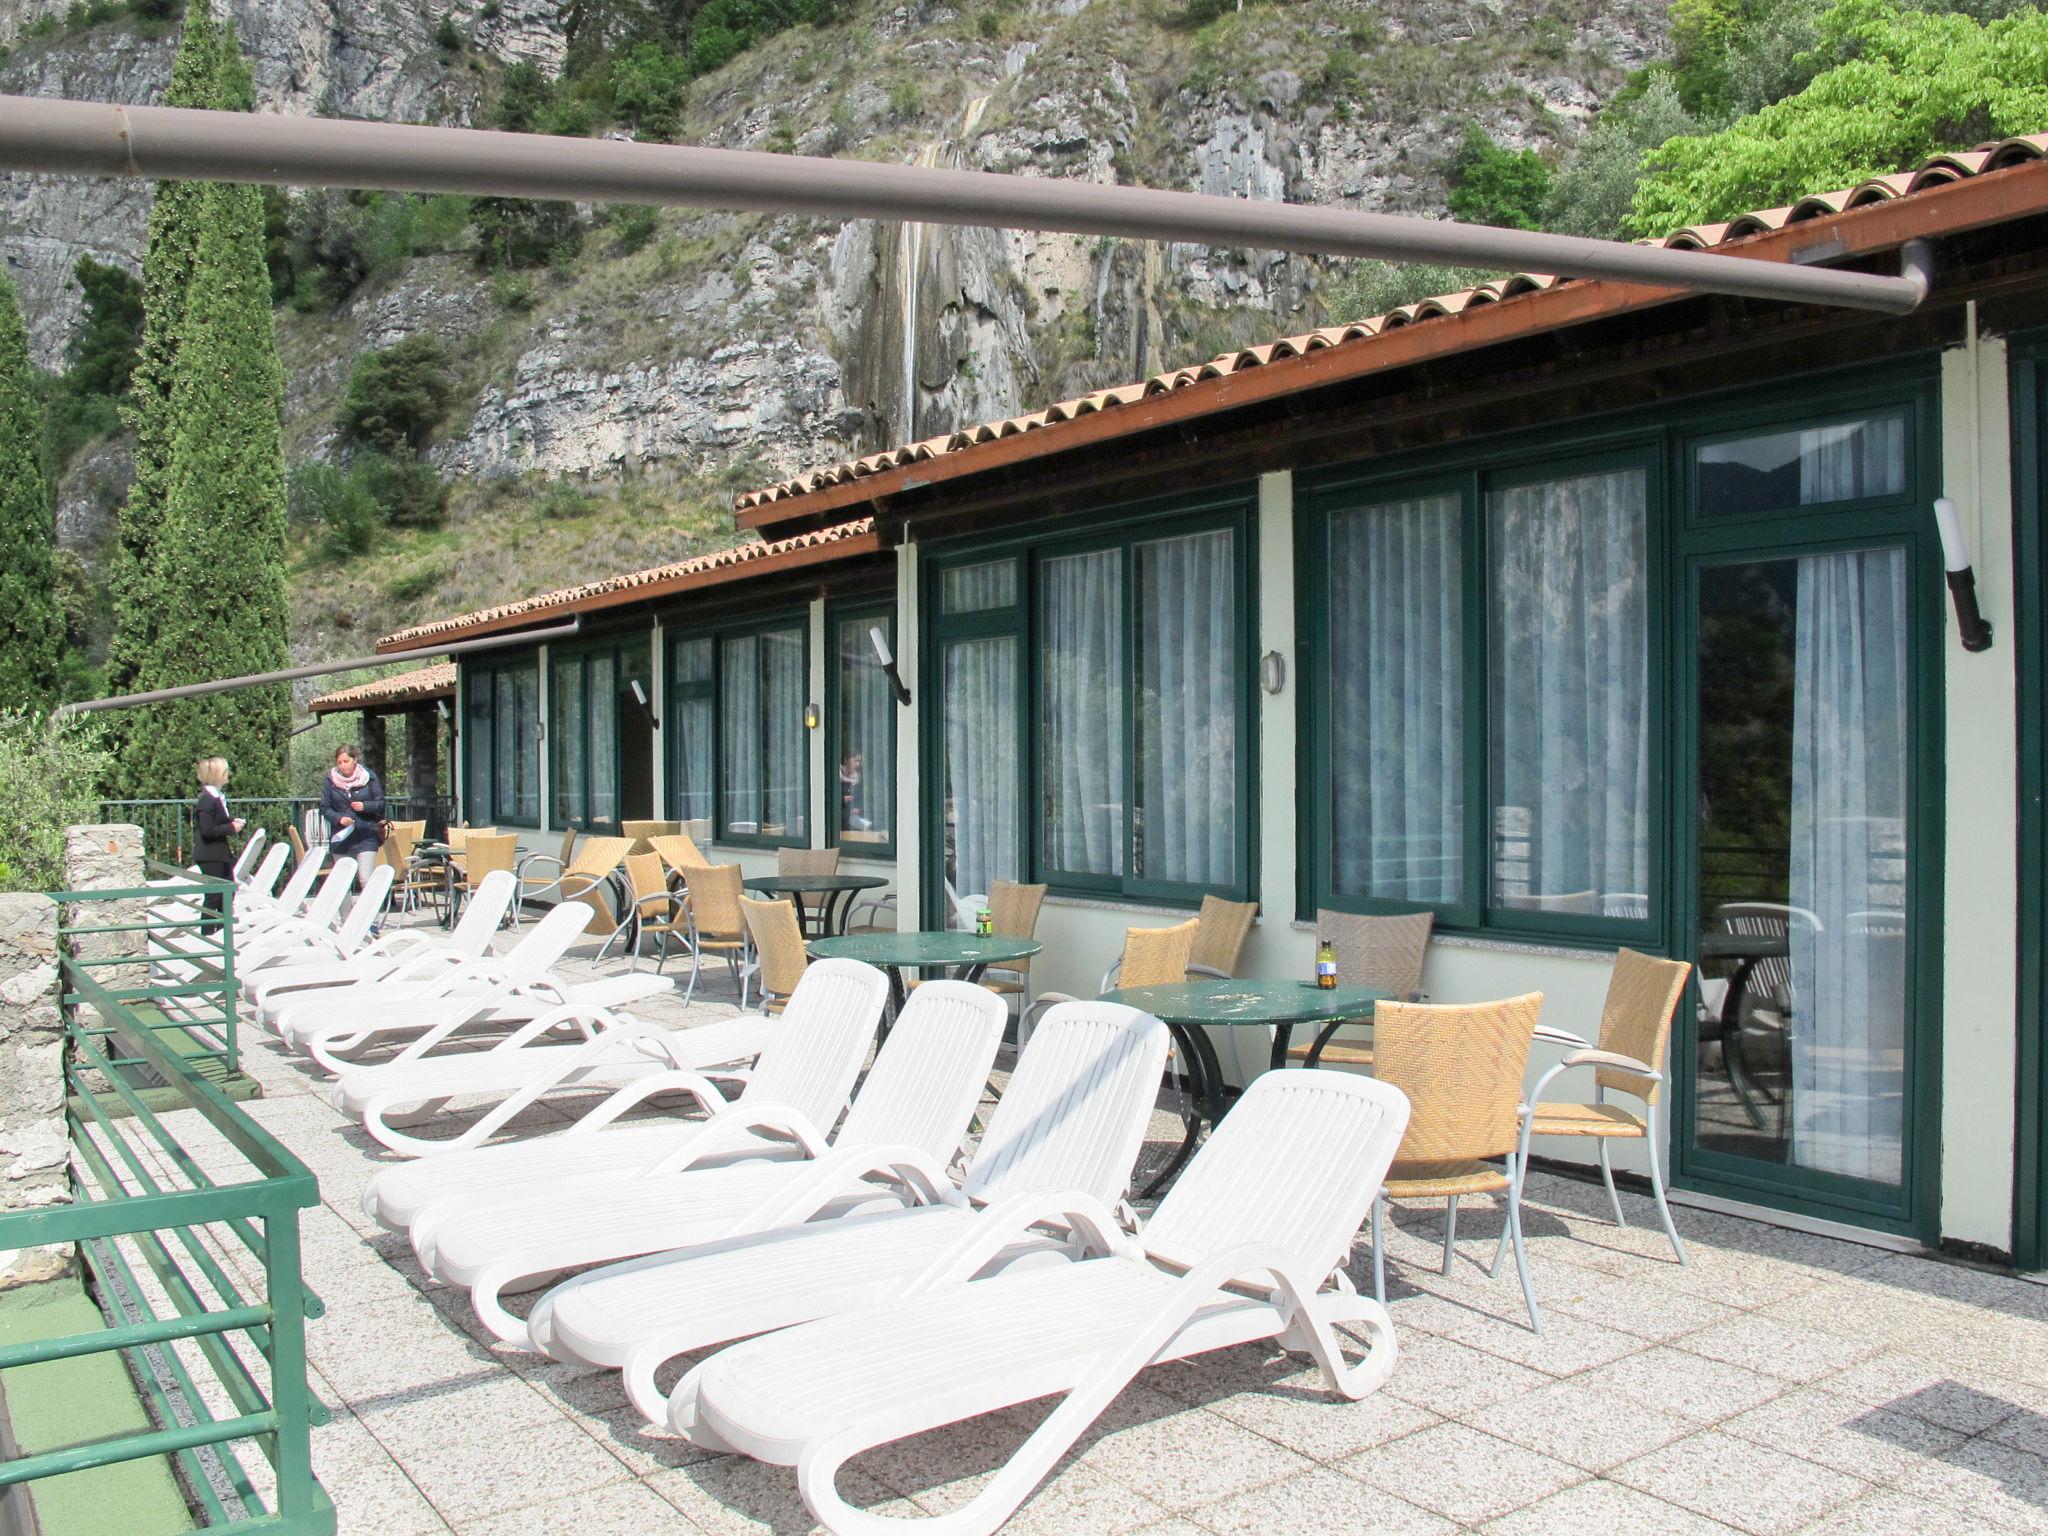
{"x": 732, "y": 349}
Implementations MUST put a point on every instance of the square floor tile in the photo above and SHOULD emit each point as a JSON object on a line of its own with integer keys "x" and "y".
{"x": 1778, "y": 1349}
{"x": 732, "y": 1496}
{"x": 1689, "y": 1385}
{"x": 1455, "y": 1471}
{"x": 623, "y": 1509}
{"x": 488, "y": 1472}
{"x": 1601, "y": 1508}
{"x": 1889, "y": 1512}
{"x": 1285, "y": 1400}
{"x": 1750, "y": 1487}
{"x": 1320, "y": 1501}
{"x": 1576, "y": 1421}
{"x": 1884, "y": 1445}
{"x": 1180, "y": 1457}
{"x": 1447, "y": 1377}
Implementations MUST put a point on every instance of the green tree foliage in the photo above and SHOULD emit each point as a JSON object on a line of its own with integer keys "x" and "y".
{"x": 1908, "y": 83}
{"x": 1591, "y": 196}
{"x": 516, "y": 233}
{"x": 31, "y": 626}
{"x": 398, "y": 395}
{"x": 337, "y": 242}
{"x": 220, "y": 557}
{"x": 649, "y": 83}
{"x": 52, "y": 773}
{"x": 1492, "y": 185}
{"x": 103, "y": 351}
{"x": 1364, "y": 289}
{"x": 526, "y": 99}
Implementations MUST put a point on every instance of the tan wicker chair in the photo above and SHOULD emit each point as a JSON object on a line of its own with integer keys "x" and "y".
{"x": 1461, "y": 1065}
{"x": 1152, "y": 957}
{"x": 807, "y": 861}
{"x": 779, "y": 947}
{"x": 716, "y": 924}
{"x": 399, "y": 837}
{"x": 653, "y": 907}
{"x": 1013, "y": 912}
{"x": 589, "y": 876}
{"x": 1221, "y": 928}
{"x": 680, "y": 853}
{"x": 538, "y": 873}
{"x": 1635, "y": 1026}
{"x": 485, "y": 854}
{"x": 645, "y": 832}
{"x": 1386, "y": 953}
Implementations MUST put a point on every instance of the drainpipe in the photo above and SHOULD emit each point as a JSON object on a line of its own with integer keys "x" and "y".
{"x": 319, "y": 669}
{"x": 75, "y": 138}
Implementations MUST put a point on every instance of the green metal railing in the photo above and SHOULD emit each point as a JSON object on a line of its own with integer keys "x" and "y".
{"x": 186, "y": 1215}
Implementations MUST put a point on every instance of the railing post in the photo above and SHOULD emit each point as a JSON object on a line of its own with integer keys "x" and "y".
{"x": 292, "y": 1455}
{"x": 34, "y": 1168}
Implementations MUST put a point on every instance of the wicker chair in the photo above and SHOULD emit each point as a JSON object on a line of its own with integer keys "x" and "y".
{"x": 590, "y": 874}
{"x": 1013, "y": 911}
{"x": 1221, "y": 928}
{"x": 539, "y": 873}
{"x": 1461, "y": 1065}
{"x": 1386, "y": 953}
{"x": 485, "y": 853}
{"x": 409, "y": 881}
{"x": 716, "y": 924}
{"x": 1152, "y": 957}
{"x": 807, "y": 861}
{"x": 680, "y": 853}
{"x": 653, "y": 907}
{"x": 644, "y": 833}
{"x": 1635, "y": 1026}
{"x": 779, "y": 945}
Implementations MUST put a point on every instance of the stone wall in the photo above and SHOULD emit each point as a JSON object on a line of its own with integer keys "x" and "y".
{"x": 34, "y": 1150}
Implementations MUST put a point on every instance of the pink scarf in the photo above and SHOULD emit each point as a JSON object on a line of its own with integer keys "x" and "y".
{"x": 355, "y": 781}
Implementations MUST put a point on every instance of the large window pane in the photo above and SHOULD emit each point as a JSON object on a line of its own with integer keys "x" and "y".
{"x": 565, "y": 734}
{"x": 788, "y": 760}
{"x": 505, "y": 751}
{"x": 763, "y": 760}
{"x": 1081, "y": 651}
{"x": 525, "y": 750}
{"x": 977, "y": 588}
{"x": 864, "y": 785}
{"x": 980, "y": 774}
{"x": 1186, "y": 710}
{"x": 1804, "y": 466}
{"x": 477, "y": 725}
{"x": 1396, "y": 675}
{"x": 1569, "y": 695}
{"x": 601, "y": 700}
{"x": 690, "y": 736}
{"x": 739, "y": 706}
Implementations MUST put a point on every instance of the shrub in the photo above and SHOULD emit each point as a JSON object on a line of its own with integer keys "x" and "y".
{"x": 525, "y": 98}
{"x": 51, "y": 774}
{"x": 649, "y": 84}
{"x": 515, "y": 233}
{"x": 103, "y": 351}
{"x": 633, "y": 225}
{"x": 407, "y": 490}
{"x": 341, "y": 240}
{"x": 398, "y": 395}
{"x": 1367, "y": 288}
{"x": 1591, "y": 196}
{"x": 1492, "y": 185}
{"x": 447, "y": 36}
{"x": 338, "y": 503}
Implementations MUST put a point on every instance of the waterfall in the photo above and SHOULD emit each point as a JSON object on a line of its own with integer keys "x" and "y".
{"x": 910, "y": 262}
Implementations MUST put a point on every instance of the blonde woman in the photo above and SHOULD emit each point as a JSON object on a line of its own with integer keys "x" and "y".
{"x": 213, "y": 824}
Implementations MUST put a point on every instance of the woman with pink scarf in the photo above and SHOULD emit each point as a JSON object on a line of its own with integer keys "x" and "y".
{"x": 352, "y": 800}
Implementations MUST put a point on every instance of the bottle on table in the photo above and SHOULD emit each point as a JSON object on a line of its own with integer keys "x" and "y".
{"x": 1326, "y": 965}
{"x": 984, "y": 922}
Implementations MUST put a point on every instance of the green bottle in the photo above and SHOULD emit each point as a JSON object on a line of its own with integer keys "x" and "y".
{"x": 1326, "y": 965}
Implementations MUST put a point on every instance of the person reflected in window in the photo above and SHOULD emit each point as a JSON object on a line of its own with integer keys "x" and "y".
{"x": 850, "y": 817}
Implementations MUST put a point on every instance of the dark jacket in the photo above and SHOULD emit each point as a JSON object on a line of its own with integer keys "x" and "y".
{"x": 334, "y": 805}
{"x": 212, "y": 825}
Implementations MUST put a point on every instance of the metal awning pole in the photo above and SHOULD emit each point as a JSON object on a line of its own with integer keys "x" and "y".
{"x": 93, "y": 139}
{"x": 320, "y": 669}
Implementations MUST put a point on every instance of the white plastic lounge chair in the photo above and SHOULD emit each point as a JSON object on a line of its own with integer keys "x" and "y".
{"x": 322, "y": 933}
{"x": 1072, "y": 1119}
{"x": 250, "y": 849}
{"x": 405, "y": 954}
{"x": 253, "y": 910}
{"x": 897, "y": 1141}
{"x": 808, "y": 1065}
{"x": 614, "y": 1049}
{"x": 1248, "y": 1245}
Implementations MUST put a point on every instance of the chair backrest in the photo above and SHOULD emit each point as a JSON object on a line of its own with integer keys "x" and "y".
{"x": 778, "y": 941}
{"x": 458, "y": 838}
{"x": 679, "y": 853}
{"x": 399, "y": 838}
{"x": 302, "y": 879}
{"x": 1156, "y": 957}
{"x": 647, "y": 831}
{"x": 298, "y": 846}
{"x": 930, "y": 1072}
{"x": 715, "y": 901}
{"x": 1383, "y": 952}
{"x": 1581, "y": 903}
{"x": 489, "y": 851}
{"x": 598, "y": 857}
{"x": 1221, "y": 928}
{"x": 369, "y": 906}
{"x": 1642, "y": 997}
{"x": 811, "y": 1060}
{"x": 325, "y": 906}
{"x": 483, "y": 912}
{"x": 1771, "y": 978}
{"x": 645, "y": 874}
{"x": 1013, "y": 910}
{"x": 1075, "y": 1111}
{"x": 1295, "y": 1165}
{"x": 807, "y": 861}
{"x": 264, "y": 881}
{"x": 1461, "y": 1065}
{"x": 250, "y": 850}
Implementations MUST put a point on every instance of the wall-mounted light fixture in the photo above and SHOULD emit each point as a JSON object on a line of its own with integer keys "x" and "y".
{"x": 640, "y": 698}
{"x": 1971, "y": 625}
{"x": 1272, "y": 671}
{"x": 813, "y": 717}
{"x": 880, "y": 642}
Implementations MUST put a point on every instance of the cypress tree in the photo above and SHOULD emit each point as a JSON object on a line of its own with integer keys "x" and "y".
{"x": 30, "y": 626}
{"x": 220, "y": 547}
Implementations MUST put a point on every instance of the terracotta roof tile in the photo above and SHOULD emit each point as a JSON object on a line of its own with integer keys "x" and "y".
{"x": 433, "y": 682}
{"x": 1937, "y": 171}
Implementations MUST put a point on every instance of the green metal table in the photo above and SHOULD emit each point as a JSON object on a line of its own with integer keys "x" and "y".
{"x": 963, "y": 955}
{"x": 835, "y": 895}
{"x": 1191, "y": 1008}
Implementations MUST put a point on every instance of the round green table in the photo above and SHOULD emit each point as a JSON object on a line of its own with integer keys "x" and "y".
{"x": 835, "y": 895}
{"x": 963, "y": 955}
{"x": 1191, "y": 1008}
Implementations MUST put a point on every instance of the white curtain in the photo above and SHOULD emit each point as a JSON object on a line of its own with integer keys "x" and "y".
{"x": 867, "y": 727}
{"x": 1570, "y": 661}
{"x": 603, "y": 704}
{"x": 566, "y": 730}
{"x": 1081, "y": 646}
{"x": 689, "y": 732}
{"x": 981, "y": 762}
{"x": 1396, "y": 668}
{"x": 739, "y": 705}
{"x": 1848, "y": 864}
{"x": 786, "y": 804}
{"x": 1189, "y": 653}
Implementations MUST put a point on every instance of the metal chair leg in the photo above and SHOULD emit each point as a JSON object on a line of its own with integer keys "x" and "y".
{"x": 1521, "y": 1252}
{"x": 1657, "y": 1185}
{"x": 1379, "y": 1253}
{"x": 1607, "y": 1178}
{"x": 1450, "y": 1229}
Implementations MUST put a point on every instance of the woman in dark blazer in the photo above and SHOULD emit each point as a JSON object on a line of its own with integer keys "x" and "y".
{"x": 213, "y": 824}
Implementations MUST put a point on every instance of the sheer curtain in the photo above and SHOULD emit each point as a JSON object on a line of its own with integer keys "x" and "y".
{"x": 786, "y": 803}
{"x": 1848, "y": 864}
{"x": 524, "y": 751}
{"x": 1081, "y": 650}
{"x": 1396, "y": 669}
{"x": 739, "y": 708}
{"x": 1189, "y": 653}
{"x": 602, "y": 702}
{"x": 566, "y": 728}
{"x": 1570, "y": 662}
{"x": 980, "y": 706}
{"x": 865, "y": 801}
{"x": 689, "y": 732}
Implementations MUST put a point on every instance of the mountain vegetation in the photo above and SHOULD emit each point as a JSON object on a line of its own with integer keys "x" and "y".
{"x": 30, "y": 624}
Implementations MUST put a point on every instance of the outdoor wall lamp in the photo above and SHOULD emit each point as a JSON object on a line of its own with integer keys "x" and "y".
{"x": 1272, "y": 671}
{"x": 881, "y": 644}
{"x": 812, "y": 717}
{"x": 1971, "y": 625}
{"x": 640, "y": 698}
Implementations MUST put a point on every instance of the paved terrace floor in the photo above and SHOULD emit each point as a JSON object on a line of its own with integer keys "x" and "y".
{"x": 1784, "y": 1383}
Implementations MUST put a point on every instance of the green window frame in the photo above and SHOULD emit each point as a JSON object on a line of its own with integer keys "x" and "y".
{"x": 587, "y": 691}
{"x": 1014, "y": 608}
{"x": 860, "y": 714}
{"x": 701, "y": 695}
{"x": 501, "y": 743}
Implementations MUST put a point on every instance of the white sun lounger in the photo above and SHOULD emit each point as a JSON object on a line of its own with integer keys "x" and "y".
{"x": 897, "y": 1141}
{"x": 1072, "y": 1118}
{"x": 614, "y": 1049}
{"x": 808, "y": 1065}
{"x": 404, "y": 955}
{"x": 1246, "y": 1246}
{"x": 305, "y": 939}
